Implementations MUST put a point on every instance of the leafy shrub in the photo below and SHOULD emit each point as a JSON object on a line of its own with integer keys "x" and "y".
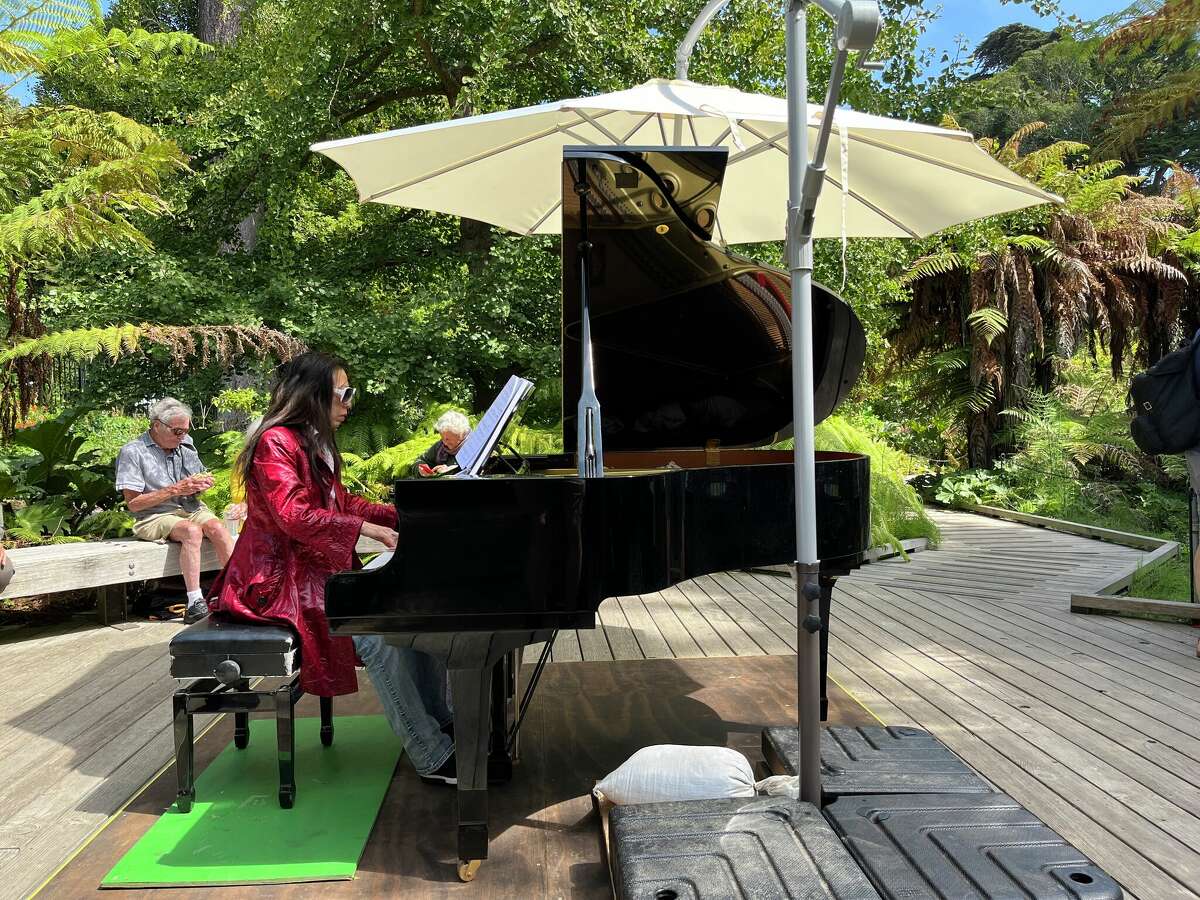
{"x": 896, "y": 510}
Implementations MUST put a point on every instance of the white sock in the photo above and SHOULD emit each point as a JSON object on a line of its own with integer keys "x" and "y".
{"x": 195, "y": 596}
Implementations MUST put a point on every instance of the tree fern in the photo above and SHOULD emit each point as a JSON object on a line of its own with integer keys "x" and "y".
{"x": 211, "y": 343}
{"x": 933, "y": 264}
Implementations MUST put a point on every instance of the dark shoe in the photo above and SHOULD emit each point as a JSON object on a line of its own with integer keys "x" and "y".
{"x": 448, "y": 729}
{"x": 195, "y": 612}
{"x": 446, "y": 774}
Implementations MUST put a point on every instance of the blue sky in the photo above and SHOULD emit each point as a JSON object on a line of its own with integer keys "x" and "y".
{"x": 975, "y": 19}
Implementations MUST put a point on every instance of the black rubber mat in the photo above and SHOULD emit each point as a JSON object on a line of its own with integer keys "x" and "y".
{"x": 759, "y": 848}
{"x": 873, "y": 759}
{"x": 982, "y": 847}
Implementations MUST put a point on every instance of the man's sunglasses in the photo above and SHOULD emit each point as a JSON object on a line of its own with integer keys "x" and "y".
{"x": 345, "y": 395}
{"x": 178, "y": 432}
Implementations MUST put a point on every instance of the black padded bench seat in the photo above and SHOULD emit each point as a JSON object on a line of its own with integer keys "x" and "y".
{"x": 200, "y": 650}
{"x": 223, "y": 657}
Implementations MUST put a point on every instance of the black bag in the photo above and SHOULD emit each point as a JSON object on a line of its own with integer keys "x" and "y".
{"x": 1165, "y": 403}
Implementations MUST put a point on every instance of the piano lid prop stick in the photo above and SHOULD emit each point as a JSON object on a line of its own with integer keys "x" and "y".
{"x": 588, "y": 442}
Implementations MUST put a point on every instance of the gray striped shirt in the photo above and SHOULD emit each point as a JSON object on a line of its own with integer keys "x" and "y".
{"x": 143, "y": 466}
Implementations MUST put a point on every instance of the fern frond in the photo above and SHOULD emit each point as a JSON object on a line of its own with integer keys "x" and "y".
{"x": 988, "y": 322}
{"x": 1128, "y": 120}
{"x": 1149, "y": 265}
{"x": 938, "y": 263}
{"x": 1012, "y": 147}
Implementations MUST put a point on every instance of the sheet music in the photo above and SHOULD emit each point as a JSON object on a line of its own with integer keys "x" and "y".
{"x": 479, "y": 444}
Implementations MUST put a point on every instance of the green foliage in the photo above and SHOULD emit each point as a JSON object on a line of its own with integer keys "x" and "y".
{"x": 1076, "y": 461}
{"x": 55, "y": 476}
{"x": 896, "y": 510}
{"x": 248, "y": 401}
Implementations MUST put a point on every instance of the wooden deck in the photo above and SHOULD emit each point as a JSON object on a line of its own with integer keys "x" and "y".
{"x": 1092, "y": 722}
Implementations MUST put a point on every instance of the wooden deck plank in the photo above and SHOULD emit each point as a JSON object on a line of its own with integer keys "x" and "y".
{"x": 707, "y": 641}
{"x": 1093, "y": 741}
{"x": 1091, "y": 722}
{"x": 674, "y": 632}
{"x": 618, "y": 632}
{"x": 1158, "y": 860}
{"x": 593, "y": 644}
{"x": 585, "y": 720}
{"x": 728, "y": 629}
{"x": 1145, "y": 711}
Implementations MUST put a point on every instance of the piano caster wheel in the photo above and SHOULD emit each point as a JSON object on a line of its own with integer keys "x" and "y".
{"x": 287, "y": 797}
{"x": 467, "y": 869}
{"x": 183, "y": 802}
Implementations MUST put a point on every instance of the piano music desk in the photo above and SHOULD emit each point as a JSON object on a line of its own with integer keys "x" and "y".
{"x": 585, "y": 720}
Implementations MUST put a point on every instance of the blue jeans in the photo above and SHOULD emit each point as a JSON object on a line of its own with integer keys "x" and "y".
{"x": 412, "y": 688}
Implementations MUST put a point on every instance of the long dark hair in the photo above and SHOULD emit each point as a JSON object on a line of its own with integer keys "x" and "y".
{"x": 300, "y": 399}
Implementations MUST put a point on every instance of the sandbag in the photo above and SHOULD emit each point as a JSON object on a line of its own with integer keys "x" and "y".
{"x": 675, "y": 772}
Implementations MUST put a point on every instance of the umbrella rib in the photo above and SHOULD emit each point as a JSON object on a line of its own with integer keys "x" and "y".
{"x": 766, "y": 143}
{"x": 636, "y": 128}
{"x": 538, "y": 224}
{"x": 591, "y": 121}
{"x": 871, "y": 206}
{"x": 662, "y": 129}
{"x": 942, "y": 164}
{"x": 721, "y": 137}
{"x": 692, "y": 128}
{"x": 479, "y": 157}
{"x": 579, "y": 137}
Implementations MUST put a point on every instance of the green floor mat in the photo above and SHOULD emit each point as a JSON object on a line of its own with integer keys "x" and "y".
{"x": 236, "y": 832}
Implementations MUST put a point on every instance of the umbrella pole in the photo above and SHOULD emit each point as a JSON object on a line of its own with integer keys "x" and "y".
{"x": 857, "y": 26}
{"x": 807, "y": 566}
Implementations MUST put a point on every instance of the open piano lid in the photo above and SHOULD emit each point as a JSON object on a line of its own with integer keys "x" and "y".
{"x": 691, "y": 343}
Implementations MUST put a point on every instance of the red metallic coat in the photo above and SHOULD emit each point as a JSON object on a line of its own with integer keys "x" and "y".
{"x": 295, "y": 536}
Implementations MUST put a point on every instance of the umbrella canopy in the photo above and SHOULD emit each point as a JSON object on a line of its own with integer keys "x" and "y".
{"x": 904, "y": 179}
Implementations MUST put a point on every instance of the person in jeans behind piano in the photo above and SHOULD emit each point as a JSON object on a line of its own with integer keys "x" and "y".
{"x": 302, "y": 526}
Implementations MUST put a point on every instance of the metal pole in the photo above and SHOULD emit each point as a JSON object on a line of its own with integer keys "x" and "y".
{"x": 807, "y": 566}
{"x": 683, "y": 53}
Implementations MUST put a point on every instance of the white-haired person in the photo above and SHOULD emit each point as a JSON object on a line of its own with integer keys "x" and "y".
{"x": 160, "y": 474}
{"x": 452, "y": 428}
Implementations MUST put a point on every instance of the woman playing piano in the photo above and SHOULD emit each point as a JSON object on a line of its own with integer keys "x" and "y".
{"x": 302, "y": 526}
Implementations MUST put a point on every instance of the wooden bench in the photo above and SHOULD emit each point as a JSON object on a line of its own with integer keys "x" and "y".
{"x": 106, "y": 566}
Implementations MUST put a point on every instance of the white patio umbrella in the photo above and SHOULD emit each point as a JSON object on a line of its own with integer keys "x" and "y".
{"x": 891, "y": 178}
{"x": 905, "y": 179}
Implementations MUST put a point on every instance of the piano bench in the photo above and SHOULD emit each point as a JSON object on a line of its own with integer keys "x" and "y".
{"x": 222, "y": 657}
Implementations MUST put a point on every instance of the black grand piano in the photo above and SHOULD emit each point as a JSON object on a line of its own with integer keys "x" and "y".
{"x": 691, "y": 351}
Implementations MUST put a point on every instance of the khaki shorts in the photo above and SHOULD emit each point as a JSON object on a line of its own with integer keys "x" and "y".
{"x": 158, "y": 527}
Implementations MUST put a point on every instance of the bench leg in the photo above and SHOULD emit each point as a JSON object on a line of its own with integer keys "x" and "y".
{"x": 112, "y": 607}
{"x": 182, "y": 723}
{"x": 241, "y": 730}
{"x": 286, "y": 734}
{"x": 327, "y": 721}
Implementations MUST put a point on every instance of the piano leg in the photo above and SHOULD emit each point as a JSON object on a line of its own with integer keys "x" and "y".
{"x": 471, "y": 689}
{"x": 499, "y": 761}
{"x": 827, "y": 582}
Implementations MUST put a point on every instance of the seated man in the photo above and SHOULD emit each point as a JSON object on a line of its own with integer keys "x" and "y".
{"x": 6, "y": 570}
{"x": 453, "y": 428}
{"x": 160, "y": 475}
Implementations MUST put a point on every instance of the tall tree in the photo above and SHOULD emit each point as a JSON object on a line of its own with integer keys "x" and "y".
{"x": 71, "y": 179}
{"x": 999, "y": 305}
